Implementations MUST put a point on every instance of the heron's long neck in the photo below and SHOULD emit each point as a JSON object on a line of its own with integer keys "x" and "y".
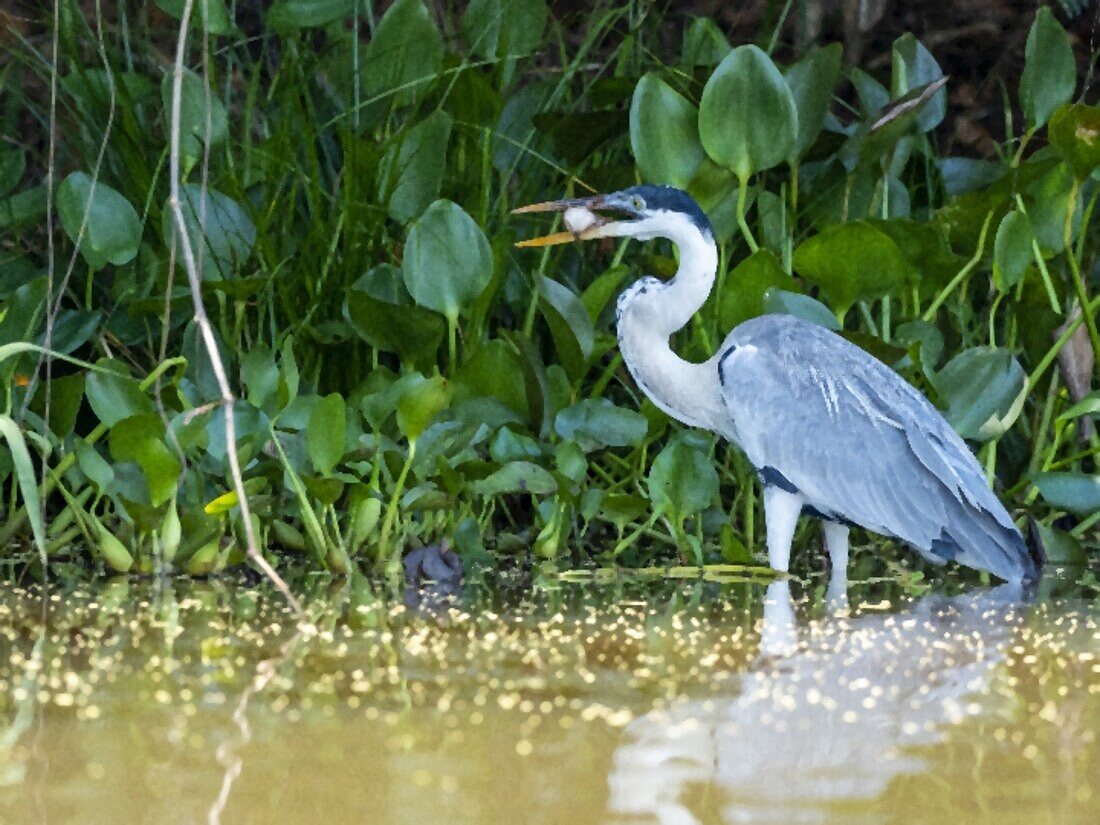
{"x": 650, "y": 312}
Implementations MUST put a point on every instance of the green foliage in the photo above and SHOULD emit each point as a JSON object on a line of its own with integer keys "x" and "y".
{"x": 747, "y": 116}
{"x": 1050, "y": 71}
{"x": 664, "y": 133}
{"x": 105, "y": 223}
{"x": 402, "y": 374}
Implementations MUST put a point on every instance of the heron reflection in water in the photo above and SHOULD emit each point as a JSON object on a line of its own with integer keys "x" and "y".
{"x": 827, "y": 719}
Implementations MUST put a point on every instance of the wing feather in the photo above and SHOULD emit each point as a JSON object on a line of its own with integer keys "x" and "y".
{"x": 862, "y": 444}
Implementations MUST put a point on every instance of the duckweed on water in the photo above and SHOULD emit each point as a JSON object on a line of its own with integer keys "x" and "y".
{"x": 661, "y": 700}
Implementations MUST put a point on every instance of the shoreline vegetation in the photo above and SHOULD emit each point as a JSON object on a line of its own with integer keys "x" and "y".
{"x": 259, "y": 303}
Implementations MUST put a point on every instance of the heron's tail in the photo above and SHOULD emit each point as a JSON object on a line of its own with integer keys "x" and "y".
{"x": 987, "y": 542}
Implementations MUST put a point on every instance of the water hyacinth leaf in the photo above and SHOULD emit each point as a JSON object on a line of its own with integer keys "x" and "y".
{"x": 508, "y": 445}
{"x": 783, "y": 302}
{"x": 811, "y": 81}
{"x": 287, "y": 15}
{"x": 203, "y": 119}
{"x": 404, "y": 55}
{"x": 221, "y": 233}
{"x": 447, "y": 262}
{"x": 682, "y": 481}
{"x": 94, "y": 466}
{"x": 413, "y": 172}
{"x": 141, "y": 439}
{"x": 1075, "y": 132}
{"x": 852, "y": 262}
{"x": 747, "y": 117}
{"x": 570, "y": 325}
{"x": 1011, "y": 250}
{"x": 420, "y": 404}
{"x": 260, "y": 375}
{"x": 1052, "y": 194}
{"x": 115, "y": 396}
{"x": 495, "y": 370}
{"x": 704, "y": 44}
{"x": 1061, "y": 547}
{"x": 212, "y": 14}
{"x": 500, "y": 28}
{"x": 913, "y": 67}
{"x": 325, "y": 433}
{"x": 742, "y": 295}
{"x": 1076, "y": 492}
{"x": 517, "y": 477}
{"x": 664, "y": 133}
{"x": 111, "y": 227}
{"x": 596, "y": 422}
{"x": 984, "y": 389}
{"x": 414, "y": 333}
{"x": 1050, "y": 70}
{"x": 873, "y": 96}
{"x": 23, "y": 207}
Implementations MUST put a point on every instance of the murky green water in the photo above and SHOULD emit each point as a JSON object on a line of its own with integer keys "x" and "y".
{"x": 583, "y": 702}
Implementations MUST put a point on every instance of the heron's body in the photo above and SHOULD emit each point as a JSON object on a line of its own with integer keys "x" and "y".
{"x": 831, "y": 430}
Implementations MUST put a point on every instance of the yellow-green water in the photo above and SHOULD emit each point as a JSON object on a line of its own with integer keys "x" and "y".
{"x": 572, "y": 703}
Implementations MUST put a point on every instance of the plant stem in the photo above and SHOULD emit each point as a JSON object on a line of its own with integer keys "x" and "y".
{"x": 392, "y": 559}
{"x": 742, "y": 193}
{"x": 930, "y": 313}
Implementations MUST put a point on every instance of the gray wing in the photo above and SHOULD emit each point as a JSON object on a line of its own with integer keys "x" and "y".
{"x": 861, "y": 445}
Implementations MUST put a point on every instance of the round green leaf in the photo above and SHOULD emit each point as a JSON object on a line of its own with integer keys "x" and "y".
{"x": 596, "y": 422}
{"x": 140, "y": 438}
{"x": 498, "y": 28}
{"x": 682, "y": 481}
{"x": 421, "y": 403}
{"x": 325, "y": 433}
{"x": 811, "y": 81}
{"x": 747, "y": 117}
{"x": 1076, "y": 492}
{"x": 742, "y": 295}
{"x": 211, "y": 13}
{"x": 112, "y": 229}
{"x": 1050, "y": 70}
{"x": 447, "y": 260}
{"x": 287, "y": 15}
{"x": 221, "y": 233}
{"x": 517, "y": 477}
{"x": 852, "y": 262}
{"x": 704, "y": 44}
{"x": 664, "y": 133}
{"x": 914, "y": 66}
{"x": 1011, "y": 250}
{"x": 984, "y": 389}
{"x": 198, "y": 128}
{"x": 404, "y": 55}
{"x": 782, "y": 302}
{"x": 412, "y": 172}
{"x": 1075, "y": 132}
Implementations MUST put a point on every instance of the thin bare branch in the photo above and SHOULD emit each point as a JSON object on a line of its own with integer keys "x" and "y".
{"x": 203, "y": 322}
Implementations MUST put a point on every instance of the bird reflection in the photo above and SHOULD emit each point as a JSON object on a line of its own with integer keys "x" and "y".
{"x": 829, "y": 714}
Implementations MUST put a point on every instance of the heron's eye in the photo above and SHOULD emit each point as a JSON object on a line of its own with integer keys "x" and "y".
{"x": 637, "y": 203}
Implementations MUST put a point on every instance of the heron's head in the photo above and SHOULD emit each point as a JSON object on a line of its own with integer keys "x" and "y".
{"x": 638, "y": 212}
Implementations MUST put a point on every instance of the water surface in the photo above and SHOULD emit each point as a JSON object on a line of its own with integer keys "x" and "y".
{"x": 619, "y": 701}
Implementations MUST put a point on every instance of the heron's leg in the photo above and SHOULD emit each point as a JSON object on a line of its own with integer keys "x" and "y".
{"x": 779, "y": 633}
{"x": 781, "y": 511}
{"x": 836, "y": 543}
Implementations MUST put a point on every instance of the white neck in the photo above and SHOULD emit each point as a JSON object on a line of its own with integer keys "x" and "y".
{"x": 650, "y": 311}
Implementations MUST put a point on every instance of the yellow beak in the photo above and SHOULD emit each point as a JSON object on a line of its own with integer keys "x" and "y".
{"x": 561, "y": 206}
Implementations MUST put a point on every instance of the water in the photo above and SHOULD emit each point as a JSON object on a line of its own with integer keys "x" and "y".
{"x": 619, "y": 701}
